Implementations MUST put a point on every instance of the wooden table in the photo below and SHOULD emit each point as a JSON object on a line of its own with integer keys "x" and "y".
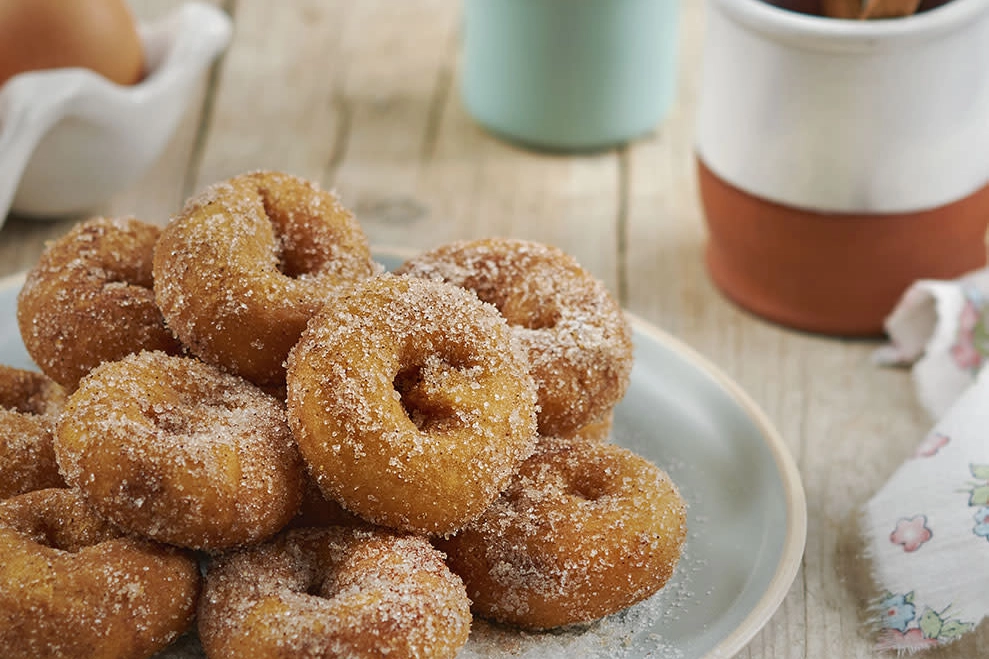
{"x": 363, "y": 97}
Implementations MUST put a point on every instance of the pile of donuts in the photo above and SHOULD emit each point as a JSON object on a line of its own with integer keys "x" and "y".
{"x": 242, "y": 425}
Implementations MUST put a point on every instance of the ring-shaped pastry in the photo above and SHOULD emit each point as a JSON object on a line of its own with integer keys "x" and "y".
{"x": 241, "y": 269}
{"x": 410, "y": 403}
{"x": 72, "y": 585}
{"x": 179, "y": 451}
{"x": 334, "y": 592}
{"x": 29, "y": 404}
{"x": 90, "y": 299}
{"x": 577, "y": 338}
{"x": 585, "y": 530}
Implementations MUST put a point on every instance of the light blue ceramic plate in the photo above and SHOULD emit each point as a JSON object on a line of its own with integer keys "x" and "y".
{"x": 747, "y": 514}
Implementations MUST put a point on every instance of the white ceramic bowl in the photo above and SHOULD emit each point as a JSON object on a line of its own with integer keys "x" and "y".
{"x": 70, "y": 138}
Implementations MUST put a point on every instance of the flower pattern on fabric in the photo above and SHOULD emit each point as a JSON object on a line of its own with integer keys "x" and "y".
{"x": 903, "y": 630}
{"x": 911, "y": 532}
{"x": 899, "y": 611}
{"x": 971, "y": 346}
{"x": 909, "y": 641}
{"x": 982, "y": 522}
{"x": 979, "y": 494}
{"x": 926, "y": 529}
{"x": 933, "y": 443}
{"x": 979, "y": 499}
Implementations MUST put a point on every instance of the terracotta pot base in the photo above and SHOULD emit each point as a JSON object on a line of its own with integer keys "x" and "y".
{"x": 837, "y": 274}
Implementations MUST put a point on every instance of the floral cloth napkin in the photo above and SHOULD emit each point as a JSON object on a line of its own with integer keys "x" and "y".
{"x": 927, "y": 529}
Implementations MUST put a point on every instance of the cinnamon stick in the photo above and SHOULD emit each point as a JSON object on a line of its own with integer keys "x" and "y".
{"x": 842, "y": 8}
{"x": 889, "y": 8}
{"x": 866, "y": 9}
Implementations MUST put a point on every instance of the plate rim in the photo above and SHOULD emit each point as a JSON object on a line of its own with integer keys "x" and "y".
{"x": 10, "y": 281}
{"x": 795, "y": 537}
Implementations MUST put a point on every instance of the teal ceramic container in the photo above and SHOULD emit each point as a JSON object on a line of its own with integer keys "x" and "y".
{"x": 570, "y": 74}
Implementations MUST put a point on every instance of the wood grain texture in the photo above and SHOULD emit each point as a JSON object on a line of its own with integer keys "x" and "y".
{"x": 364, "y": 97}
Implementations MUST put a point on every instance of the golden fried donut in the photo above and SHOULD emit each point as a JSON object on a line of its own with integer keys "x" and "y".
{"x": 576, "y": 335}
{"x": 71, "y": 585}
{"x": 246, "y": 263}
{"x": 334, "y": 592}
{"x": 596, "y": 431}
{"x": 89, "y": 299}
{"x": 29, "y": 402}
{"x": 179, "y": 451}
{"x": 410, "y": 403}
{"x": 584, "y": 531}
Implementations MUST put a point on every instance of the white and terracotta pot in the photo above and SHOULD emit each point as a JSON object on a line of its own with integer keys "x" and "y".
{"x": 841, "y": 160}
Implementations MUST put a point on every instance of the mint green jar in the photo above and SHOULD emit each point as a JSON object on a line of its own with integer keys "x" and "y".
{"x": 570, "y": 74}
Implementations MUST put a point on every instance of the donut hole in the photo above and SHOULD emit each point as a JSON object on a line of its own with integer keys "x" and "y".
{"x": 295, "y": 263}
{"x": 70, "y": 530}
{"x": 589, "y": 486}
{"x": 568, "y": 472}
{"x": 319, "y": 587}
{"x": 28, "y": 406}
{"x": 528, "y": 311}
{"x": 528, "y": 315}
{"x": 320, "y": 576}
{"x": 55, "y": 536}
{"x": 25, "y": 395}
{"x": 114, "y": 253}
{"x": 432, "y": 382}
{"x": 125, "y": 277}
{"x": 298, "y": 251}
{"x": 519, "y": 301}
{"x": 421, "y": 407}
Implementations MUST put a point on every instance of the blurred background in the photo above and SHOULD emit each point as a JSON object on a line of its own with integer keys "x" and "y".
{"x": 364, "y": 98}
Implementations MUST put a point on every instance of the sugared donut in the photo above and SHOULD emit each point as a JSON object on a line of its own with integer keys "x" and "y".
{"x": 179, "y": 451}
{"x": 334, "y": 592}
{"x": 29, "y": 402}
{"x": 71, "y": 585}
{"x": 585, "y": 530}
{"x": 410, "y": 403}
{"x": 596, "y": 431}
{"x": 577, "y": 338}
{"x": 89, "y": 299}
{"x": 246, "y": 263}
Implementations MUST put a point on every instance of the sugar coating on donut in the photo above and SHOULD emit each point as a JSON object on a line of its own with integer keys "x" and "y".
{"x": 583, "y": 531}
{"x": 576, "y": 336}
{"x": 411, "y": 403}
{"x": 72, "y": 585}
{"x": 599, "y": 430}
{"x": 89, "y": 299}
{"x": 29, "y": 392}
{"x": 180, "y": 451}
{"x": 334, "y": 592}
{"x": 29, "y": 403}
{"x": 241, "y": 269}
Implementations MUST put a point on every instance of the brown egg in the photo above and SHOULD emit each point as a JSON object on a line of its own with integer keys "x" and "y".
{"x": 100, "y": 35}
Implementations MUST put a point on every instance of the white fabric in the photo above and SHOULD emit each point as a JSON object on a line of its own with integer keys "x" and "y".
{"x": 927, "y": 529}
